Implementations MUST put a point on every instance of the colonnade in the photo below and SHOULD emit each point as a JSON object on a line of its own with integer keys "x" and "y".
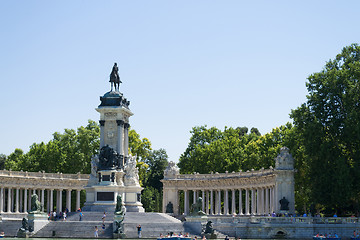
{"x": 55, "y": 191}
{"x": 18, "y": 200}
{"x": 247, "y": 201}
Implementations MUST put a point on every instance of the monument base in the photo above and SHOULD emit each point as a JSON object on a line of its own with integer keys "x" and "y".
{"x": 37, "y": 221}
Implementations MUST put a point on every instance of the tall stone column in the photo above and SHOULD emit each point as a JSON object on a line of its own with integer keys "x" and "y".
{"x": 12, "y": 200}
{"x": 77, "y": 199}
{"x": 194, "y": 196}
{"x": 266, "y": 201}
{"x": 1, "y": 199}
{"x": 226, "y": 202}
{"x": 25, "y": 200}
{"x": 126, "y": 139}
{"x": 233, "y": 209}
{"x": 186, "y": 202}
{"x": 203, "y": 200}
{"x": 51, "y": 200}
{"x": 42, "y": 199}
{"x": 102, "y": 132}
{"x": 247, "y": 203}
{"x": 68, "y": 199}
{"x": 48, "y": 200}
{"x": 9, "y": 200}
{"x": 29, "y": 199}
{"x": 21, "y": 196}
{"x": 272, "y": 199}
{"x": 240, "y": 202}
{"x": 258, "y": 200}
{"x": 120, "y": 143}
{"x": 59, "y": 201}
{"x": 211, "y": 202}
{"x": 17, "y": 201}
{"x": 207, "y": 203}
{"x": 219, "y": 202}
{"x": 253, "y": 202}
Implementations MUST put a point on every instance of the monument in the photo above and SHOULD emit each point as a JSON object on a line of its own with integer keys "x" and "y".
{"x": 114, "y": 171}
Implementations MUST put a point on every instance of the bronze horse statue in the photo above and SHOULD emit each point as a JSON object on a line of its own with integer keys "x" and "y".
{"x": 115, "y": 78}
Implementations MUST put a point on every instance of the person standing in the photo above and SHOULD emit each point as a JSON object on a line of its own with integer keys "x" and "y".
{"x": 103, "y": 218}
{"x": 96, "y": 233}
{"x": 139, "y": 231}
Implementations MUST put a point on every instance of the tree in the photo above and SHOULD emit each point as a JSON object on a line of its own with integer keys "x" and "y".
{"x": 2, "y": 161}
{"x": 329, "y": 124}
{"x": 151, "y": 198}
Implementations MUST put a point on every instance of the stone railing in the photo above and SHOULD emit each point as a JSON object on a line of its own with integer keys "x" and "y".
{"x": 284, "y": 220}
{"x": 7, "y": 173}
{"x": 217, "y": 175}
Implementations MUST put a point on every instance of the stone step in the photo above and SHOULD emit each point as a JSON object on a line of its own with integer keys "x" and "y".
{"x": 75, "y": 229}
{"x": 10, "y": 227}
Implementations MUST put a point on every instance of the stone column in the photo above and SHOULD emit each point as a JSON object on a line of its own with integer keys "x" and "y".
{"x": 253, "y": 202}
{"x": 42, "y": 199}
{"x": 207, "y": 203}
{"x": 120, "y": 143}
{"x": 25, "y": 200}
{"x": 247, "y": 203}
{"x": 68, "y": 199}
{"x": 233, "y": 210}
{"x": 48, "y": 200}
{"x": 51, "y": 200}
{"x": 203, "y": 200}
{"x": 77, "y": 199}
{"x": 186, "y": 202}
{"x": 226, "y": 202}
{"x": 21, "y": 206}
{"x": 12, "y": 200}
{"x": 211, "y": 202}
{"x": 266, "y": 201}
{"x": 59, "y": 201}
{"x": 9, "y": 200}
{"x": 272, "y": 199}
{"x": 17, "y": 200}
{"x": 194, "y": 196}
{"x": 1, "y": 199}
{"x": 29, "y": 200}
{"x": 240, "y": 202}
{"x": 258, "y": 199}
{"x": 126, "y": 139}
{"x": 102, "y": 125}
{"x": 219, "y": 202}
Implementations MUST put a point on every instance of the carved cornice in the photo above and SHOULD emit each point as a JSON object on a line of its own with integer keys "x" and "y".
{"x": 240, "y": 180}
{"x": 42, "y": 180}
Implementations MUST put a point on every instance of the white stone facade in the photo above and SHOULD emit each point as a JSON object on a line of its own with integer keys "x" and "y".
{"x": 261, "y": 190}
{"x": 52, "y": 188}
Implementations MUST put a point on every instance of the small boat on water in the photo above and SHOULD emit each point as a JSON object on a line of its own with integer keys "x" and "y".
{"x": 326, "y": 238}
{"x": 175, "y": 238}
{"x": 2, "y": 234}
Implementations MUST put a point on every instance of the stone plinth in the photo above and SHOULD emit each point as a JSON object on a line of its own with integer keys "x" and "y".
{"x": 37, "y": 221}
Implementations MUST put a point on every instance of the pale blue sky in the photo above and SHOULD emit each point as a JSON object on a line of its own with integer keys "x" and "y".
{"x": 182, "y": 63}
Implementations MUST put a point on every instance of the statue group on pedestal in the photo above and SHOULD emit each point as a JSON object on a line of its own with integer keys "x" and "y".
{"x": 109, "y": 158}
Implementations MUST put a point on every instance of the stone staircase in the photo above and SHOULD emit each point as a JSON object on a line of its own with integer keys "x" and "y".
{"x": 10, "y": 227}
{"x": 152, "y": 224}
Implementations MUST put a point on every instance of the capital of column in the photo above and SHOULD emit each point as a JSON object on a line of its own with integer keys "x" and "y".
{"x": 102, "y": 122}
{"x": 120, "y": 122}
{"x": 126, "y": 125}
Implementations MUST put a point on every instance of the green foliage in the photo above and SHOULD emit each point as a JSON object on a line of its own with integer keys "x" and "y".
{"x": 211, "y": 149}
{"x": 2, "y": 161}
{"x": 69, "y": 152}
{"x": 329, "y": 126}
{"x": 151, "y": 197}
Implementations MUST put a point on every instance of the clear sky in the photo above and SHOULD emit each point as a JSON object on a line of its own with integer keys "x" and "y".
{"x": 182, "y": 63}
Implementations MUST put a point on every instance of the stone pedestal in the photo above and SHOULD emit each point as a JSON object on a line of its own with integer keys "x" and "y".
{"x": 196, "y": 223}
{"x": 37, "y": 221}
{"x": 113, "y": 171}
{"x": 118, "y": 233}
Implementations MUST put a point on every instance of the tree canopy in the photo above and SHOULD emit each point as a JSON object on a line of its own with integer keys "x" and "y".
{"x": 329, "y": 126}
